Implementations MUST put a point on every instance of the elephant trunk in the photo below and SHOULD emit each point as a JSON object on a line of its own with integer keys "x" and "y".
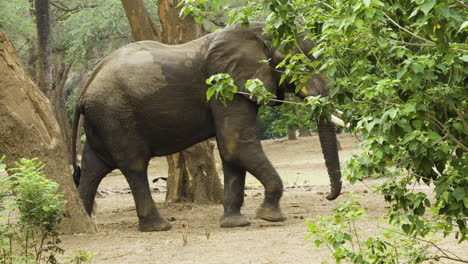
{"x": 328, "y": 142}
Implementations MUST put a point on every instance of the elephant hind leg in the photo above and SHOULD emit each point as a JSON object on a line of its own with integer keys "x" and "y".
{"x": 234, "y": 183}
{"x": 93, "y": 170}
{"x": 150, "y": 219}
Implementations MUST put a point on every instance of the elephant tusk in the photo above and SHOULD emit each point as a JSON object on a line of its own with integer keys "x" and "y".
{"x": 337, "y": 121}
{"x": 339, "y": 113}
{"x": 334, "y": 119}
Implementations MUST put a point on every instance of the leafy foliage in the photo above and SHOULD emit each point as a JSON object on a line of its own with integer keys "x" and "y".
{"x": 90, "y": 28}
{"x": 18, "y": 23}
{"x": 222, "y": 86}
{"x": 398, "y": 70}
{"x": 40, "y": 209}
{"x": 257, "y": 89}
{"x": 31, "y": 208}
{"x": 348, "y": 241}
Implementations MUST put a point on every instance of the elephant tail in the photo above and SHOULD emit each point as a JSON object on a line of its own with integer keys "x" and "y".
{"x": 75, "y": 127}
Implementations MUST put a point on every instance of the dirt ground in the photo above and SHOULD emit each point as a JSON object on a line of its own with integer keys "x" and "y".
{"x": 301, "y": 165}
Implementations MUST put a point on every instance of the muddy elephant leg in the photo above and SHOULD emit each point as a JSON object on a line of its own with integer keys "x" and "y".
{"x": 234, "y": 183}
{"x": 238, "y": 145}
{"x": 252, "y": 157}
{"x": 149, "y": 217}
{"x": 92, "y": 172}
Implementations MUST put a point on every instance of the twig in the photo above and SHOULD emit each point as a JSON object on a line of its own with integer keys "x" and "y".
{"x": 406, "y": 30}
{"x": 276, "y": 100}
{"x": 461, "y": 4}
{"x": 327, "y": 5}
{"x": 418, "y": 44}
{"x": 444, "y": 251}
{"x": 447, "y": 133}
{"x": 462, "y": 119}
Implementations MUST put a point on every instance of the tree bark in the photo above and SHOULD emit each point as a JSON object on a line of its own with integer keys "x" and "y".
{"x": 175, "y": 29}
{"x": 189, "y": 176}
{"x": 45, "y": 46}
{"x": 29, "y": 129}
{"x": 192, "y": 175}
{"x": 59, "y": 106}
{"x": 304, "y": 132}
{"x": 140, "y": 23}
{"x": 292, "y": 134}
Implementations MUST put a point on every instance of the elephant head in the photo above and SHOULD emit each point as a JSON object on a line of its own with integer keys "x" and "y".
{"x": 239, "y": 52}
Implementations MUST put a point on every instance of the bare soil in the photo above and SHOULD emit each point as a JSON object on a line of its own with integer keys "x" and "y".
{"x": 196, "y": 236}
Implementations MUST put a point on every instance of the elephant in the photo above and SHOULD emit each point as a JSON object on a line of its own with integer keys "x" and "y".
{"x": 148, "y": 99}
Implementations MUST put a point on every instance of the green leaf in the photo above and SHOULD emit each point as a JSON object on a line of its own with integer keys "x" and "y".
{"x": 427, "y": 6}
{"x": 209, "y": 93}
{"x": 417, "y": 67}
{"x": 367, "y": 3}
{"x": 406, "y": 228}
{"x": 415, "y": 12}
{"x": 433, "y": 135}
{"x": 459, "y": 193}
{"x": 463, "y": 58}
{"x": 379, "y": 154}
{"x": 463, "y": 26}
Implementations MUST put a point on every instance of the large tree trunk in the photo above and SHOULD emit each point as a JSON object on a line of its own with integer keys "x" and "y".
{"x": 304, "y": 132}
{"x": 190, "y": 179}
{"x": 192, "y": 175}
{"x": 59, "y": 105}
{"x": 28, "y": 129}
{"x": 292, "y": 134}
{"x": 175, "y": 29}
{"x": 140, "y": 23}
{"x": 45, "y": 46}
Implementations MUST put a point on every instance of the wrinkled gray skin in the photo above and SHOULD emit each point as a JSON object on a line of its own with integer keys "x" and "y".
{"x": 148, "y": 99}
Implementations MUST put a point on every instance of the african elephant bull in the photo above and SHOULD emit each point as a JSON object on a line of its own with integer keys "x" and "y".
{"x": 148, "y": 99}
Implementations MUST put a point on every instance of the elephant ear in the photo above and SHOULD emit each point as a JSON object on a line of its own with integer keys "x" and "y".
{"x": 239, "y": 52}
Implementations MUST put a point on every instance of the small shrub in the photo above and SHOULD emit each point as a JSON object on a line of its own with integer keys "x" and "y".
{"x": 31, "y": 208}
{"x": 349, "y": 244}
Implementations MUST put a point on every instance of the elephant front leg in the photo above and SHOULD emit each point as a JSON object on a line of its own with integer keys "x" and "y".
{"x": 234, "y": 182}
{"x": 238, "y": 149}
{"x": 149, "y": 217}
{"x": 262, "y": 169}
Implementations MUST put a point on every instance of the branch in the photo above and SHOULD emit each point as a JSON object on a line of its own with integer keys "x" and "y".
{"x": 218, "y": 24}
{"x": 406, "y": 30}
{"x": 327, "y": 5}
{"x": 444, "y": 251}
{"x": 421, "y": 38}
{"x": 276, "y": 100}
{"x": 66, "y": 9}
{"x": 461, "y": 4}
{"x": 447, "y": 133}
{"x": 462, "y": 119}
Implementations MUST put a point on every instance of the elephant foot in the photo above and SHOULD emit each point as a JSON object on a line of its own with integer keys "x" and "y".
{"x": 151, "y": 226}
{"x": 271, "y": 214}
{"x": 234, "y": 221}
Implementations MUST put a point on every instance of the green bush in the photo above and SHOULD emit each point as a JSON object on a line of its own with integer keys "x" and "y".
{"x": 31, "y": 208}
{"x": 348, "y": 241}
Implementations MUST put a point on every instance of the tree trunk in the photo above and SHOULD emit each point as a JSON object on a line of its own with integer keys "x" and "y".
{"x": 292, "y": 134}
{"x": 45, "y": 46}
{"x": 59, "y": 106}
{"x": 32, "y": 60}
{"x": 32, "y": 65}
{"x": 175, "y": 29}
{"x": 192, "y": 175}
{"x": 140, "y": 23}
{"x": 304, "y": 132}
{"x": 29, "y": 129}
{"x": 190, "y": 179}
